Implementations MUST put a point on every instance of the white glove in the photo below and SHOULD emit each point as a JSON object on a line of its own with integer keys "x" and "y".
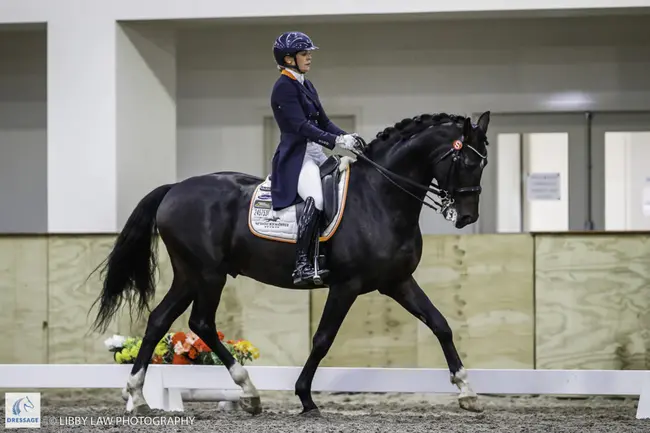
{"x": 346, "y": 141}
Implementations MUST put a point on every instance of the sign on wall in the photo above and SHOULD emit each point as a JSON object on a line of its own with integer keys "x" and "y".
{"x": 543, "y": 186}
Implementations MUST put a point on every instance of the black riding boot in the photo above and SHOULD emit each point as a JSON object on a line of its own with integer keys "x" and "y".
{"x": 307, "y": 228}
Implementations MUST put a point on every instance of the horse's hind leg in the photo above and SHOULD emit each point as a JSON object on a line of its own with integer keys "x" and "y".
{"x": 410, "y": 296}
{"x": 175, "y": 302}
{"x": 202, "y": 323}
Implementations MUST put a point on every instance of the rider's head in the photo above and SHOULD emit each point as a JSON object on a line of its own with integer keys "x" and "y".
{"x": 470, "y": 160}
{"x": 293, "y": 50}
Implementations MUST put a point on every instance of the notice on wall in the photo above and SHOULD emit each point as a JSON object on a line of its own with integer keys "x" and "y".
{"x": 646, "y": 197}
{"x": 543, "y": 186}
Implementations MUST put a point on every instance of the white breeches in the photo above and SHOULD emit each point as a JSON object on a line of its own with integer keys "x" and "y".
{"x": 309, "y": 184}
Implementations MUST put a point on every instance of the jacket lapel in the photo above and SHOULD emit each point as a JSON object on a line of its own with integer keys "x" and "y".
{"x": 306, "y": 88}
{"x": 308, "y": 92}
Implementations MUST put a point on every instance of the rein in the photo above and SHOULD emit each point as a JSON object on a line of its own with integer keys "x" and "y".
{"x": 447, "y": 200}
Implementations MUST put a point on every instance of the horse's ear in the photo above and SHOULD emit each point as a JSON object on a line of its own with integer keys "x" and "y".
{"x": 467, "y": 128}
{"x": 484, "y": 121}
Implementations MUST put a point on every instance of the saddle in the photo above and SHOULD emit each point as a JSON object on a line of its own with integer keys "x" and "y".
{"x": 282, "y": 225}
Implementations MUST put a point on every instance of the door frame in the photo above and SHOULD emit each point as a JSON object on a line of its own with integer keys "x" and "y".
{"x": 589, "y": 213}
{"x": 601, "y": 122}
{"x": 573, "y": 123}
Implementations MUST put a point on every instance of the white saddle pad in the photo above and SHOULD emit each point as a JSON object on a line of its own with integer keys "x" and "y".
{"x": 282, "y": 225}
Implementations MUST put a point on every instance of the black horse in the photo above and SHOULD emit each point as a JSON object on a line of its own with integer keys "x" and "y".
{"x": 377, "y": 246}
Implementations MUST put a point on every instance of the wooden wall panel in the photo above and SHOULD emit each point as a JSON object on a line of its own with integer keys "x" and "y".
{"x": 71, "y": 260}
{"x": 483, "y": 285}
{"x": 593, "y": 301}
{"x": 377, "y": 332}
{"x": 275, "y": 320}
{"x": 23, "y": 299}
{"x": 592, "y": 305}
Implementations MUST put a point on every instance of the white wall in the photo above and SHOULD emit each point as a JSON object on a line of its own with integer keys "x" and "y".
{"x": 23, "y": 131}
{"x": 146, "y": 113}
{"x": 378, "y": 72}
{"x": 385, "y": 72}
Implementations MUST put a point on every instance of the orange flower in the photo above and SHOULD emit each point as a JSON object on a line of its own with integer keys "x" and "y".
{"x": 193, "y": 353}
{"x": 221, "y": 336}
{"x": 201, "y": 346}
{"x": 230, "y": 341}
{"x": 157, "y": 359}
{"x": 178, "y": 337}
{"x": 180, "y": 359}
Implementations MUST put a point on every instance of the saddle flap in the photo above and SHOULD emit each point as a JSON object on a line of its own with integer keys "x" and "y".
{"x": 332, "y": 163}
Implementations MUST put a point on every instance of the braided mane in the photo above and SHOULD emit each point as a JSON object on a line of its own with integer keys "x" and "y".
{"x": 408, "y": 127}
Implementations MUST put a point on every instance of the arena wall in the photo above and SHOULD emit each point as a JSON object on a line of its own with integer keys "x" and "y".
{"x": 214, "y": 78}
{"x": 513, "y": 301}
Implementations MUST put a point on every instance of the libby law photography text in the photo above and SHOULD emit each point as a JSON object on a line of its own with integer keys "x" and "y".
{"x": 119, "y": 420}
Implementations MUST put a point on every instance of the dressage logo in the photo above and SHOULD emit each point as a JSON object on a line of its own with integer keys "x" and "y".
{"x": 22, "y": 410}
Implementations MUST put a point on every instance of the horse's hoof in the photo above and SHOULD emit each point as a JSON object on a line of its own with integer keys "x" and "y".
{"x": 228, "y": 406}
{"x": 252, "y": 405}
{"x": 141, "y": 409}
{"x": 470, "y": 403}
{"x": 311, "y": 413}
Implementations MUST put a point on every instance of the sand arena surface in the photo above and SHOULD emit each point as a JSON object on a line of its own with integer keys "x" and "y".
{"x": 364, "y": 413}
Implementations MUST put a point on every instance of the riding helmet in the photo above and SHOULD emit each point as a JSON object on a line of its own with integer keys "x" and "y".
{"x": 290, "y": 44}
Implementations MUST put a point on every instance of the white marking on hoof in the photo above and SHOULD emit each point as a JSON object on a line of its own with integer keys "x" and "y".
{"x": 467, "y": 399}
{"x": 250, "y": 398}
{"x": 134, "y": 389}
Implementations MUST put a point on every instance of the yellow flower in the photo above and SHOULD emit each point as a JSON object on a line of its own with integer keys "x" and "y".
{"x": 161, "y": 349}
{"x": 243, "y": 346}
{"x": 133, "y": 350}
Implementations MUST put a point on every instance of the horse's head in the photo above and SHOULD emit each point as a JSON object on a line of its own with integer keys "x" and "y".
{"x": 458, "y": 168}
{"x": 444, "y": 147}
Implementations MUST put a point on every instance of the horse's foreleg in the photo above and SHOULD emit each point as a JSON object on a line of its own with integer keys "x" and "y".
{"x": 202, "y": 323}
{"x": 410, "y": 296}
{"x": 161, "y": 319}
{"x": 339, "y": 301}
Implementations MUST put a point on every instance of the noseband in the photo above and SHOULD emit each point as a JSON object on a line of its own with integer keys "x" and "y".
{"x": 443, "y": 207}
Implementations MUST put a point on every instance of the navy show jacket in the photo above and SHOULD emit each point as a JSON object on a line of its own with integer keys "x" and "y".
{"x": 300, "y": 117}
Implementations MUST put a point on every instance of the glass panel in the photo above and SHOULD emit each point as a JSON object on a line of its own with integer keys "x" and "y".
{"x": 508, "y": 163}
{"x": 546, "y": 167}
{"x": 627, "y": 181}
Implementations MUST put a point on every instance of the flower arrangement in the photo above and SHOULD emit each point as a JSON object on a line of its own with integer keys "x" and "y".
{"x": 180, "y": 348}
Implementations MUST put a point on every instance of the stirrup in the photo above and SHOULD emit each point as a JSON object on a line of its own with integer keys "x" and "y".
{"x": 319, "y": 274}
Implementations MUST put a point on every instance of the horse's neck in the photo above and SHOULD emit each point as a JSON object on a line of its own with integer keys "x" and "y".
{"x": 393, "y": 199}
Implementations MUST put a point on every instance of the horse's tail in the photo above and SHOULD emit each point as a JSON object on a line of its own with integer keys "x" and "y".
{"x": 129, "y": 269}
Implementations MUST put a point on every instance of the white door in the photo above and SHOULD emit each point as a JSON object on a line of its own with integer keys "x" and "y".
{"x": 537, "y": 176}
{"x": 621, "y": 170}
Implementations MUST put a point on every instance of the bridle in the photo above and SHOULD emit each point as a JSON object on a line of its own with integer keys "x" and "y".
{"x": 443, "y": 207}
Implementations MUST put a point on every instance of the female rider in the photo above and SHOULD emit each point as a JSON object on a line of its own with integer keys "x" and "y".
{"x": 304, "y": 127}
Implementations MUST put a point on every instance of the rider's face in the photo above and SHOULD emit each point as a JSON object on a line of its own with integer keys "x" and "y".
{"x": 304, "y": 60}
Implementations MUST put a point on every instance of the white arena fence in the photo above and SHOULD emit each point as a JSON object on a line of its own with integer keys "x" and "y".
{"x": 167, "y": 386}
